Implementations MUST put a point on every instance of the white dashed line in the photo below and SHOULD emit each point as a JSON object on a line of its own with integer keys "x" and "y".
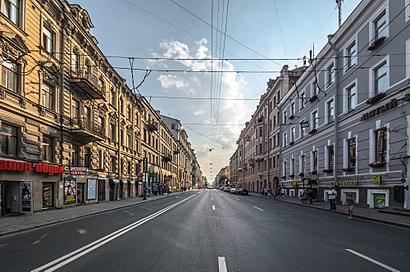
{"x": 372, "y": 260}
{"x": 222, "y": 264}
{"x": 258, "y": 208}
{"x": 236, "y": 198}
{"x": 213, "y": 207}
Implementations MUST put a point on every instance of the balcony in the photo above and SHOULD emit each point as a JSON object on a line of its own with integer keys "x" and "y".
{"x": 87, "y": 82}
{"x": 251, "y": 162}
{"x": 259, "y": 157}
{"x": 260, "y": 120}
{"x": 152, "y": 126}
{"x": 85, "y": 130}
{"x": 167, "y": 158}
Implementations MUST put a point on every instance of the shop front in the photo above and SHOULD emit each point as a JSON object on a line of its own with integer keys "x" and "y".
{"x": 26, "y": 187}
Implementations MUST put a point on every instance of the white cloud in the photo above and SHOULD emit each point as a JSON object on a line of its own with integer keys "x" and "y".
{"x": 198, "y": 85}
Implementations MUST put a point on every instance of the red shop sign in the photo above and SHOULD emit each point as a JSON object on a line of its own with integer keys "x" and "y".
{"x": 28, "y": 167}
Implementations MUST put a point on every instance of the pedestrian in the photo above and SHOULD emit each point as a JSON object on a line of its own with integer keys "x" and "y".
{"x": 332, "y": 194}
{"x": 274, "y": 193}
{"x": 350, "y": 204}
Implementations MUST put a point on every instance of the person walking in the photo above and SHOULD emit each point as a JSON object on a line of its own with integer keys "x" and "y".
{"x": 332, "y": 194}
{"x": 350, "y": 204}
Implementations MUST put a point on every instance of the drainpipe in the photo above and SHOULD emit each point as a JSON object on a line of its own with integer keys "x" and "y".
{"x": 335, "y": 149}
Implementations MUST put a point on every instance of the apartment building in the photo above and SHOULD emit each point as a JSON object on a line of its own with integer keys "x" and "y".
{"x": 258, "y": 143}
{"x": 71, "y": 130}
{"x": 351, "y": 123}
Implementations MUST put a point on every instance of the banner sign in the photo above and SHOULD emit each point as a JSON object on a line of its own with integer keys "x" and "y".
{"x": 26, "y": 197}
{"x": 70, "y": 195}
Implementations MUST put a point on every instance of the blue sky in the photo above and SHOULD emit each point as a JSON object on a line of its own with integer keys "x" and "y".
{"x": 257, "y": 30}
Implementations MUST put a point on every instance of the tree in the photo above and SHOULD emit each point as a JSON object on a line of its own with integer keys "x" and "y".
{"x": 223, "y": 180}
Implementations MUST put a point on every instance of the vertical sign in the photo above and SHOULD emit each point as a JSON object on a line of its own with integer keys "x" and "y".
{"x": 91, "y": 189}
{"x": 26, "y": 197}
{"x": 70, "y": 194}
{"x": 377, "y": 180}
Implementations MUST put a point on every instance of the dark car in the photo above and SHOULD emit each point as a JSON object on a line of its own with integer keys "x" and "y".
{"x": 242, "y": 191}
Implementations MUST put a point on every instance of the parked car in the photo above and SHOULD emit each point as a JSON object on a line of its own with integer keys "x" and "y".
{"x": 242, "y": 191}
{"x": 232, "y": 190}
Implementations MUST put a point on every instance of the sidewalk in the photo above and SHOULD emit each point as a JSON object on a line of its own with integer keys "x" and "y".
{"x": 390, "y": 216}
{"x": 15, "y": 223}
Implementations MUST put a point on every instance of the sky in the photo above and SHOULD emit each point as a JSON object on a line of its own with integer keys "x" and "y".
{"x": 209, "y": 60}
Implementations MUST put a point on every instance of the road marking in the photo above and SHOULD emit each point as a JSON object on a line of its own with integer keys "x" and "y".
{"x": 212, "y": 198}
{"x": 72, "y": 256}
{"x": 213, "y": 207}
{"x": 372, "y": 260}
{"x": 222, "y": 264}
{"x": 258, "y": 208}
{"x": 236, "y": 198}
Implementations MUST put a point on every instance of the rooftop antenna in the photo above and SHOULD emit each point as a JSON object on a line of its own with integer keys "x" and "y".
{"x": 339, "y": 8}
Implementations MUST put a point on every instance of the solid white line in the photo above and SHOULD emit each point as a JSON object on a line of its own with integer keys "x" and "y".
{"x": 68, "y": 258}
{"x": 222, "y": 264}
{"x": 213, "y": 207}
{"x": 372, "y": 260}
{"x": 258, "y": 208}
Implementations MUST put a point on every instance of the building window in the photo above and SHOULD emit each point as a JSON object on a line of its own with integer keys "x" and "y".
{"x": 101, "y": 160}
{"x": 9, "y": 138}
{"x": 113, "y": 164}
{"x": 292, "y": 134}
{"x": 302, "y": 164}
{"x": 330, "y": 74}
{"x": 315, "y": 88}
{"x": 129, "y": 112}
{"x": 314, "y": 167}
{"x": 315, "y": 120}
{"x": 330, "y": 108}
{"x": 47, "y": 96}
{"x": 113, "y": 130}
{"x": 75, "y": 108}
{"x": 48, "y": 146}
{"x": 87, "y": 158}
{"x": 351, "y": 93}
{"x": 48, "y": 39}
{"x": 351, "y": 55}
{"x": 101, "y": 125}
{"x": 112, "y": 97}
{"x": 380, "y": 78}
{"x": 75, "y": 62}
{"x": 120, "y": 106}
{"x": 75, "y": 155}
{"x": 10, "y": 71}
{"x": 380, "y": 26}
{"x": 351, "y": 153}
{"x": 303, "y": 100}
{"x": 303, "y": 125}
{"x": 129, "y": 140}
{"x": 330, "y": 157}
{"x": 285, "y": 116}
{"x": 381, "y": 145}
{"x": 12, "y": 11}
{"x": 285, "y": 139}
{"x": 292, "y": 108}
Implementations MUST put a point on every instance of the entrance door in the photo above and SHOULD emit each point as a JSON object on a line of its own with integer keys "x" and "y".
{"x": 101, "y": 190}
{"x": 80, "y": 191}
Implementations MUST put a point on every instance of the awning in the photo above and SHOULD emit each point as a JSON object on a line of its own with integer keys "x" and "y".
{"x": 124, "y": 181}
{"x": 114, "y": 181}
{"x": 131, "y": 181}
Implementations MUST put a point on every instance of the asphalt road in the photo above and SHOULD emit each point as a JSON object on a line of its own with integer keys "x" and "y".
{"x": 210, "y": 231}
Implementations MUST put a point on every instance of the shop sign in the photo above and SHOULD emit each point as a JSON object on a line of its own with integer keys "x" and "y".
{"x": 26, "y": 197}
{"x": 386, "y": 107}
{"x": 28, "y": 167}
{"x": 377, "y": 180}
{"x": 347, "y": 183}
{"x": 78, "y": 171}
{"x": 293, "y": 183}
